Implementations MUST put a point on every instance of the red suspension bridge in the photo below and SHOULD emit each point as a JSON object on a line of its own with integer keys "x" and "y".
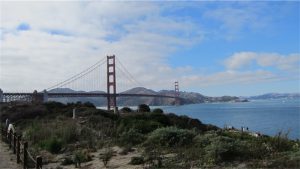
{"x": 89, "y": 80}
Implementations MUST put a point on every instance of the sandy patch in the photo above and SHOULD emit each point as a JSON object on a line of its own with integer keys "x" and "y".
{"x": 118, "y": 161}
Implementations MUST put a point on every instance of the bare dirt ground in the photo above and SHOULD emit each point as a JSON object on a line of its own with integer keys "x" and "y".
{"x": 7, "y": 159}
{"x": 117, "y": 162}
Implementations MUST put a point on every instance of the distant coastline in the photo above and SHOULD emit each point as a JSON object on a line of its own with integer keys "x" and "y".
{"x": 187, "y": 97}
{"x": 275, "y": 96}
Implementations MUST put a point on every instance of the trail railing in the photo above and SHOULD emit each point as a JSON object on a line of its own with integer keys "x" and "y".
{"x": 20, "y": 148}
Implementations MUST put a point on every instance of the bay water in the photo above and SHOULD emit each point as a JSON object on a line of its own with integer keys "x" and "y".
{"x": 264, "y": 116}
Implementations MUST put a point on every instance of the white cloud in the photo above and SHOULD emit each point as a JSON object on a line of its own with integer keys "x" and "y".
{"x": 240, "y": 60}
{"x": 238, "y": 70}
{"x": 137, "y": 33}
{"x": 289, "y": 62}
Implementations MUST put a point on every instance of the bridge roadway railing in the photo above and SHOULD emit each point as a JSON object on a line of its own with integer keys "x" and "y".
{"x": 20, "y": 149}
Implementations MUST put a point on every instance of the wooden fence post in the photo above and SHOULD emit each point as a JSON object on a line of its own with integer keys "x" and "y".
{"x": 25, "y": 155}
{"x": 18, "y": 148}
{"x": 9, "y": 138}
{"x": 15, "y": 142}
{"x": 39, "y": 162}
{"x": 6, "y": 136}
{"x": 2, "y": 133}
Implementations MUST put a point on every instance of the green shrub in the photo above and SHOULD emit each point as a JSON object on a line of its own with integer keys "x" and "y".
{"x": 190, "y": 157}
{"x": 54, "y": 105}
{"x": 170, "y": 137}
{"x": 254, "y": 149}
{"x": 88, "y": 137}
{"x": 217, "y": 148}
{"x": 280, "y": 142}
{"x": 81, "y": 156}
{"x": 67, "y": 132}
{"x": 153, "y": 156}
{"x": 161, "y": 118}
{"x": 221, "y": 149}
{"x": 52, "y": 145}
{"x": 105, "y": 125}
{"x": 205, "y": 140}
{"x": 78, "y": 158}
{"x": 158, "y": 110}
{"x": 126, "y": 110}
{"x": 35, "y": 133}
{"x": 286, "y": 160}
{"x": 143, "y": 122}
{"x": 144, "y": 126}
{"x": 22, "y": 112}
{"x": 143, "y": 108}
{"x": 106, "y": 156}
{"x": 234, "y": 135}
{"x": 186, "y": 122}
{"x": 89, "y": 104}
{"x": 131, "y": 137}
{"x": 136, "y": 160}
{"x": 107, "y": 114}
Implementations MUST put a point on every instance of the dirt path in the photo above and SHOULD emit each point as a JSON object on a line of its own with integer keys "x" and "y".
{"x": 7, "y": 159}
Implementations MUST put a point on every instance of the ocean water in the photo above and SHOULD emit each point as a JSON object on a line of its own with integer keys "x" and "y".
{"x": 264, "y": 116}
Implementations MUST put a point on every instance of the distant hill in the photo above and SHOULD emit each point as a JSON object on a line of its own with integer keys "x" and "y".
{"x": 186, "y": 98}
{"x": 68, "y": 90}
{"x": 133, "y": 101}
{"x": 101, "y": 101}
{"x": 275, "y": 96}
{"x": 61, "y": 90}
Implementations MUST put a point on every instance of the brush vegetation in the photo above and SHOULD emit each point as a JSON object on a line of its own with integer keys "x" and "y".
{"x": 163, "y": 140}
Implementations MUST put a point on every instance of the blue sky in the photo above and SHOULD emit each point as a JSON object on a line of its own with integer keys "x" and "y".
{"x": 215, "y": 48}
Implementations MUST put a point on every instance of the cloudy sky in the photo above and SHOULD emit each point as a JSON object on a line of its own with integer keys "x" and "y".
{"x": 215, "y": 48}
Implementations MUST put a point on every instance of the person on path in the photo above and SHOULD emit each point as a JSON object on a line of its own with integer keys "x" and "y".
{"x": 10, "y": 128}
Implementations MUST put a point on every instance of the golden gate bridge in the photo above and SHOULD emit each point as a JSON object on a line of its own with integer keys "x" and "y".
{"x": 86, "y": 80}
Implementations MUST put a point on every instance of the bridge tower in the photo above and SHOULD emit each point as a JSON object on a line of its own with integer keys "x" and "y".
{"x": 111, "y": 82}
{"x": 177, "y": 101}
{"x": 36, "y": 97}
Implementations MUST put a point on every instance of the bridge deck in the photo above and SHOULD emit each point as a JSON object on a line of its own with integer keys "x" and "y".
{"x": 53, "y": 95}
